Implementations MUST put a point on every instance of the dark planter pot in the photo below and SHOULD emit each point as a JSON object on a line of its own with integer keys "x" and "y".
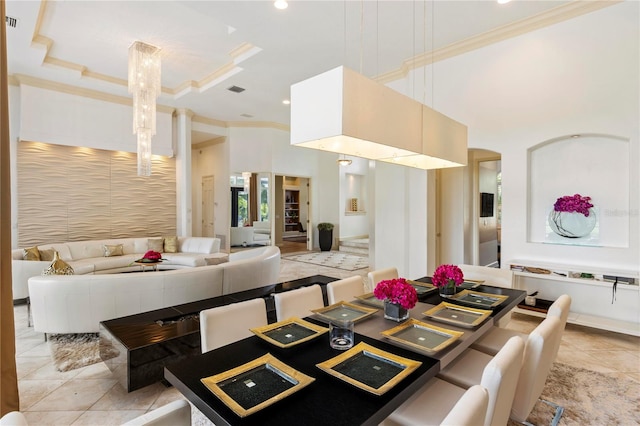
{"x": 325, "y": 239}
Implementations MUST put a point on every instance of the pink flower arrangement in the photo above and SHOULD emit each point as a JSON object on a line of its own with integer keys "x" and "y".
{"x": 398, "y": 291}
{"x": 152, "y": 255}
{"x": 573, "y": 203}
{"x": 447, "y": 274}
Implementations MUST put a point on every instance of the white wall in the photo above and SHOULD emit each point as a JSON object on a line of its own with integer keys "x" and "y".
{"x": 579, "y": 76}
{"x": 399, "y": 219}
{"x": 64, "y": 119}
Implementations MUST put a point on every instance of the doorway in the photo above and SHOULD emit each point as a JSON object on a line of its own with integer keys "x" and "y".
{"x": 489, "y": 203}
{"x": 292, "y": 206}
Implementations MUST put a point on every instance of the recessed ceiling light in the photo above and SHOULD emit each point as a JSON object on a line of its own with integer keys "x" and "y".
{"x": 286, "y": 101}
{"x": 281, "y": 4}
{"x": 503, "y": 1}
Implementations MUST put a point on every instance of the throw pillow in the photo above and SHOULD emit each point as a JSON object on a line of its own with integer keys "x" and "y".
{"x": 216, "y": 260}
{"x": 156, "y": 244}
{"x": 31, "y": 253}
{"x": 58, "y": 267}
{"x": 114, "y": 250}
{"x": 171, "y": 244}
{"x": 47, "y": 254}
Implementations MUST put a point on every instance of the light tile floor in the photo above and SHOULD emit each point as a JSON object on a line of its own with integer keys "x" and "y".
{"x": 91, "y": 396}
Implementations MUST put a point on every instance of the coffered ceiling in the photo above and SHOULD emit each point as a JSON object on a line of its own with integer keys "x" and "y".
{"x": 209, "y": 46}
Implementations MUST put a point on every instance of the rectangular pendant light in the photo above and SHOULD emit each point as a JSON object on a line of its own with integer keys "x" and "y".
{"x": 344, "y": 112}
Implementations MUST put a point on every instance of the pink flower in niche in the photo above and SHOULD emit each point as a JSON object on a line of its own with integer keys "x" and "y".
{"x": 573, "y": 203}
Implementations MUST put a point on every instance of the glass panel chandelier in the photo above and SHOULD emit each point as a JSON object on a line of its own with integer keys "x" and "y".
{"x": 144, "y": 84}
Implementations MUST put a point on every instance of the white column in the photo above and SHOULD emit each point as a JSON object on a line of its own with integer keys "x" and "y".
{"x": 183, "y": 173}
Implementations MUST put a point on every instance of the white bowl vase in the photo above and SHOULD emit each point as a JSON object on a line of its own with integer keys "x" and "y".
{"x": 572, "y": 224}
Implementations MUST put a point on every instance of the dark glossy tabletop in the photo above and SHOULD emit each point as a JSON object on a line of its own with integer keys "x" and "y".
{"x": 326, "y": 401}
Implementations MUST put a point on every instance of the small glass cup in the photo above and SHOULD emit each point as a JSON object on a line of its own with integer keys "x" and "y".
{"x": 341, "y": 334}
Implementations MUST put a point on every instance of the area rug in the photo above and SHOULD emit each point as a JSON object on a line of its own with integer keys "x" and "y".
{"x": 588, "y": 398}
{"x": 332, "y": 259}
{"x": 72, "y": 351}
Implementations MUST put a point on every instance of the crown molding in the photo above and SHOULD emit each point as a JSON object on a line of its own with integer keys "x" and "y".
{"x": 242, "y": 52}
{"x": 260, "y": 124}
{"x": 210, "y": 142}
{"x": 514, "y": 29}
{"x": 210, "y": 121}
{"x": 21, "y": 79}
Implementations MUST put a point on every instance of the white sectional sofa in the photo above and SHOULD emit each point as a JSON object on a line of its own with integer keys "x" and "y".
{"x": 78, "y": 303}
{"x": 87, "y": 257}
{"x": 242, "y": 236}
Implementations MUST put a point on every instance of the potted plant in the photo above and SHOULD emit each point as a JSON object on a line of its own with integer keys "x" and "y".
{"x": 325, "y": 235}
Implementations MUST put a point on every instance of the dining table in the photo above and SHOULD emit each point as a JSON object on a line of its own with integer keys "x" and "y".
{"x": 329, "y": 399}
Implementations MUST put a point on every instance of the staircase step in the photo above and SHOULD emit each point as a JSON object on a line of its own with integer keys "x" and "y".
{"x": 355, "y": 250}
{"x": 355, "y": 243}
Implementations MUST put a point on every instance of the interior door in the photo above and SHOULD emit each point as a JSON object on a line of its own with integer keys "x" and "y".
{"x": 207, "y": 206}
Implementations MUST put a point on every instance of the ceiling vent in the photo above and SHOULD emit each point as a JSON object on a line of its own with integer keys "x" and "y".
{"x": 11, "y": 21}
{"x": 236, "y": 89}
{"x": 246, "y": 115}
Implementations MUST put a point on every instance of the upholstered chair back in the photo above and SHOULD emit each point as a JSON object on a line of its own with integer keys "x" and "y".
{"x": 227, "y": 324}
{"x": 345, "y": 289}
{"x": 471, "y": 407}
{"x": 537, "y": 361}
{"x": 500, "y": 378}
{"x": 298, "y": 303}
{"x": 491, "y": 276}
{"x": 374, "y": 277}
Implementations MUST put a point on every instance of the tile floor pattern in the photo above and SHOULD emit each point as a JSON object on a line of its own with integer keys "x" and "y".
{"x": 91, "y": 396}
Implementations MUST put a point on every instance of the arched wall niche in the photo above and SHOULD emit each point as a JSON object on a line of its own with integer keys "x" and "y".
{"x": 594, "y": 165}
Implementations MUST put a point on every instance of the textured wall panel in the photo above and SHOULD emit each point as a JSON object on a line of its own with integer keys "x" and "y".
{"x": 72, "y": 194}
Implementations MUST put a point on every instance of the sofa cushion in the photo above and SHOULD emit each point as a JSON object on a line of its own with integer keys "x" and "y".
{"x": 216, "y": 258}
{"x": 184, "y": 259}
{"x": 47, "y": 254}
{"x": 103, "y": 263}
{"x": 203, "y": 245}
{"x": 171, "y": 244}
{"x": 31, "y": 253}
{"x": 58, "y": 267}
{"x": 113, "y": 250}
{"x": 155, "y": 244}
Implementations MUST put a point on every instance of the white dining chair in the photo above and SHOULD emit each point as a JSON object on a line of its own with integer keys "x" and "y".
{"x": 227, "y": 324}
{"x": 298, "y": 303}
{"x": 472, "y": 406}
{"x": 374, "y": 277}
{"x": 497, "y": 277}
{"x": 536, "y": 363}
{"x": 499, "y": 376}
{"x": 345, "y": 289}
{"x": 492, "y": 341}
{"x": 448, "y": 405}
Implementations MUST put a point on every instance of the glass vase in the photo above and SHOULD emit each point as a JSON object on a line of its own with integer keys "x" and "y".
{"x": 447, "y": 290}
{"x": 572, "y": 224}
{"x": 395, "y": 312}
